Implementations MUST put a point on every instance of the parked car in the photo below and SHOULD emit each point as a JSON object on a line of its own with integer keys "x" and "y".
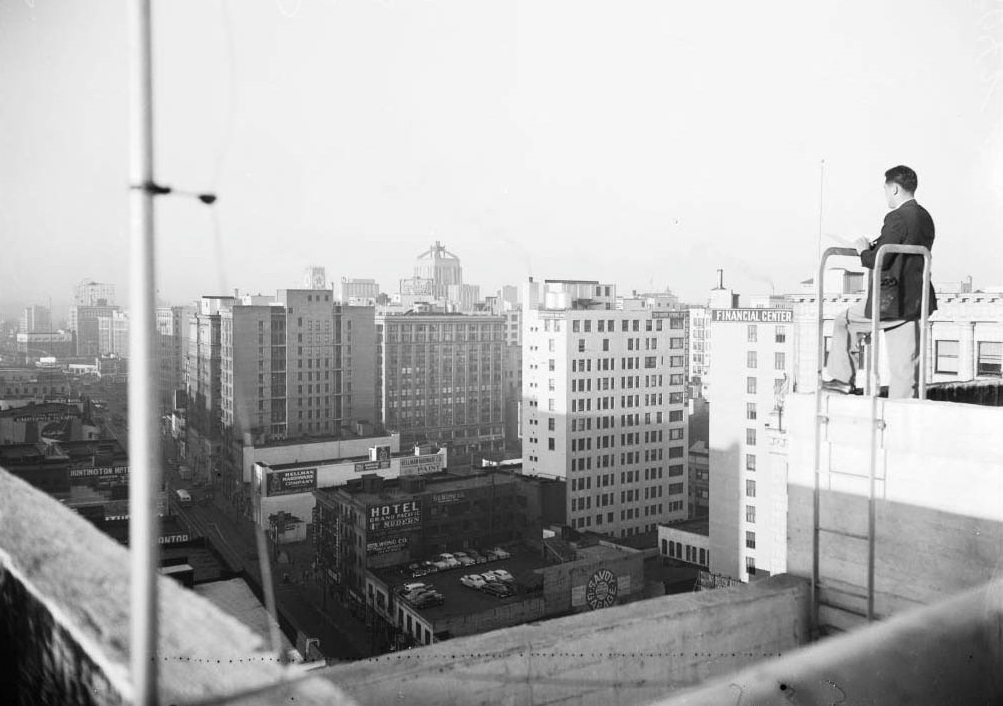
{"x": 464, "y": 559}
{"x": 501, "y": 553}
{"x": 445, "y": 561}
{"x": 413, "y": 586}
{"x": 497, "y": 588}
{"x": 421, "y": 568}
{"x": 499, "y": 575}
{"x": 473, "y": 581}
{"x": 477, "y": 556}
{"x": 428, "y": 598}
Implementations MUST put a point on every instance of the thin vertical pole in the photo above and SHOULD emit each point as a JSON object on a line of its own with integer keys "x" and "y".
{"x": 144, "y": 482}
{"x": 821, "y": 197}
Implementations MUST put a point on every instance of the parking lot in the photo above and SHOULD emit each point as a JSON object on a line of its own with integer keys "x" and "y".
{"x": 460, "y": 599}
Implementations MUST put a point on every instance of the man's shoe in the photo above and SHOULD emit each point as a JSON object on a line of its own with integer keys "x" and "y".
{"x": 838, "y": 387}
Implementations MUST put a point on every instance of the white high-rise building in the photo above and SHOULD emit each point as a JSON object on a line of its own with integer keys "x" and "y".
{"x": 753, "y": 348}
{"x": 604, "y": 404}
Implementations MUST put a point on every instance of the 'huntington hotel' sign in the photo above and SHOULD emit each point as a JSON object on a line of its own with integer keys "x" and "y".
{"x": 753, "y": 316}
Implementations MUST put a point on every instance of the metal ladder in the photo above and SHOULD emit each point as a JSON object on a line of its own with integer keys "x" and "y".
{"x": 876, "y": 424}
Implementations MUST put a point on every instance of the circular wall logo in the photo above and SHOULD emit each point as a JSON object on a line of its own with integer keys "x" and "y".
{"x": 600, "y": 592}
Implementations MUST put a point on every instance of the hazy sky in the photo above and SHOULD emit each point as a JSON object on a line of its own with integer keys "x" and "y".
{"x": 644, "y": 143}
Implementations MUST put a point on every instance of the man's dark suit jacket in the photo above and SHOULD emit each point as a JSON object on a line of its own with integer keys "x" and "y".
{"x": 909, "y": 224}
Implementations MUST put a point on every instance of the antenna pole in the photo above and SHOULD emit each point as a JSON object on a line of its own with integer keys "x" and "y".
{"x": 821, "y": 197}
{"x": 144, "y": 482}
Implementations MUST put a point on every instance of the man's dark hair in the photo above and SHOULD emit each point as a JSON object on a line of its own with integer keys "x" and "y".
{"x": 904, "y": 177}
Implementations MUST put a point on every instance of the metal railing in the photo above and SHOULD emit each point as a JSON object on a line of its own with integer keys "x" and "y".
{"x": 875, "y": 385}
{"x": 874, "y": 390}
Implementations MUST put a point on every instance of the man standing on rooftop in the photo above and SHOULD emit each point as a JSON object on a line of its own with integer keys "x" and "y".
{"x": 901, "y": 299}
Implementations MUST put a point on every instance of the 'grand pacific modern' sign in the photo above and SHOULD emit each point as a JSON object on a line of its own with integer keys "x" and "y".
{"x": 385, "y": 518}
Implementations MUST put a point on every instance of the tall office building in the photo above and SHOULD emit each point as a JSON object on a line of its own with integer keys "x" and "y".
{"x": 604, "y": 404}
{"x": 440, "y": 267}
{"x": 700, "y": 347}
{"x": 440, "y": 379}
{"x": 85, "y": 322}
{"x": 113, "y": 334}
{"x": 753, "y": 350}
{"x": 358, "y": 292}
{"x": 36, "y": 319}
{"x": 90, "y": 301}
{"x": 90, "y": 293}
{"x": 172, "y": 324}
{"x": 299, "y": 366}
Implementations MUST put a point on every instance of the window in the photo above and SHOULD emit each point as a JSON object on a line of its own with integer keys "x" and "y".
{"x": 990, "y": 358}
{"x": 750, "y": 565}
{"x": 750, "y": 488}
{"x": 550, "y": 444}
{"x": 675, "y": 470}
{"x": 752, "y": 333}
{"x": 750, "y": 385}
{"x": 750, "y": 437}
{"x": 581, "y": 345}
{"x": 750, "y": 410}
{"x": 576, "y": 326}
{"x": 750, "y": 540}
{"x": 750, "y": 514}
{"x": 675, "y": 488}
{"x": 947, "y": 357}
{"x": 551, "y": 424}
{"x": 750, "y": 462}
{"x": 779, "y": 361}
{"x": 551, "y": 365}
{"x": 750, "y": 359}
{"x": 781, "y": 334}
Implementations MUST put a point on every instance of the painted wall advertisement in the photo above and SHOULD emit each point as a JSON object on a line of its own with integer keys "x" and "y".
{"x": 420, "y": 465}
{"x": 388, "y": 518}
{"x": 290, "y": 482}
{"x": 386, "y": 546}
{"x": 100, "y": 476}
{"x": 367, "y": 466}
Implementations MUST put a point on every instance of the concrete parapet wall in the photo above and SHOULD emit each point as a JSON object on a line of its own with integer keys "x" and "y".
{"x": 938, "y": 509}
{"x": 629, "y": 654}
{"x": 64, "y": 618}
{"x": 949, "y": 653}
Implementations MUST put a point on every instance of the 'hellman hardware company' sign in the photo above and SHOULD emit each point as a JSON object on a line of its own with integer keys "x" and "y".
{"x": 752, "y": 316}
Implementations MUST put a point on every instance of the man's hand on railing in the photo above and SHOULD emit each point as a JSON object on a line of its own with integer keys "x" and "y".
{"x": 861, "y": 244}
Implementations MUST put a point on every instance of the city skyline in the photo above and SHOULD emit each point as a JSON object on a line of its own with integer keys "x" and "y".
{"x": 643, "y": 144}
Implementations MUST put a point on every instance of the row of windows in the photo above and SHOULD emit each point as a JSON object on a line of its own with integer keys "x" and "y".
{"x": 988, "y": 358}
{"x": 675, "y": 551}
{"x": 609, "y": 325}
{"x": 779, "y": 360}
{"x": 779, "y": 333}
{"x": 751, "y": 384}
{"x": 632, "y": 513}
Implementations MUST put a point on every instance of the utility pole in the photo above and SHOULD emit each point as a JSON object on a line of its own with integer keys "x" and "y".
{"x": 144, "y": 483}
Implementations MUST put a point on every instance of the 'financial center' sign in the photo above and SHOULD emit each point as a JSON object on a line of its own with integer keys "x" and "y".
{"x": 752, "y": 316}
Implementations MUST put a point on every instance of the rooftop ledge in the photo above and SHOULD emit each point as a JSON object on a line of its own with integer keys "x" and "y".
{"x": 64, "y": 639}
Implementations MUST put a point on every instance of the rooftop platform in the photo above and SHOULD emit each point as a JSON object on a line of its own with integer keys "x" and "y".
{"x": 64, "y": 639}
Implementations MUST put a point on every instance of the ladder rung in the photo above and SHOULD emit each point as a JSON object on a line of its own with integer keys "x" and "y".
{"x": 841, "y": 533}
{"x": 850, "y": 475}
{"x": 842, "y": 591}
{"x": 842, "y": 609}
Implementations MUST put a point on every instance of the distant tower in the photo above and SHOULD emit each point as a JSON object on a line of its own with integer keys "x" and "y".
{"x": 441, "y": 267}
{"x": 314, "y": 278}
